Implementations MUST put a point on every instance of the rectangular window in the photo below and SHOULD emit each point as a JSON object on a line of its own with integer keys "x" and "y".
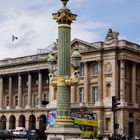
{"x": 45, "y": 97}
{"x": 25, "y": 100}
{"x": 81, "y": 69}
{"x": 81, "y": 94}
{"x": 35, "y": 100}
{"x": 94, "y": 94}
{"x": 137, "y": 95}
{"x": 107, "y": 124}
{"x": 130, "y": 115}
{"x": 16, "y": 100}
{"x": 7, "y": 100}
{"x": 95, "y": 68}
{"x": 47, "y": 82}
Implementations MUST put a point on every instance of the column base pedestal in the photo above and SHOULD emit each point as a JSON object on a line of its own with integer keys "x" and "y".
{"x": 63, "y": 133}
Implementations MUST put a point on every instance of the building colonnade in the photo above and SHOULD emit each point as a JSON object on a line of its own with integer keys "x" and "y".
{"x": 14, "y": 97}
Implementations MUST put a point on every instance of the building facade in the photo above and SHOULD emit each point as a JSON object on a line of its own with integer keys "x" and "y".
{"x": 109, "y": 68}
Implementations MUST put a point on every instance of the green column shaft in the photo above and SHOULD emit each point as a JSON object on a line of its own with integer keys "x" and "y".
{"x": 63, "y": 93}
{"x": 64, "y": 39}
{"x": 63, "y": 101}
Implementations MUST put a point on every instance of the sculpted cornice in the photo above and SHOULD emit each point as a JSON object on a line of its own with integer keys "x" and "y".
{"x": 23, "y": 60}
{"x": 91, "y": 57}
{"x": 129, "y": 56}
{"x": 23, "y": 68}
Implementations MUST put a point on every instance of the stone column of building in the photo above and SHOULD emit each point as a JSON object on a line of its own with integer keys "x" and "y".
{"x": 19, "y": 91}
{"x": 100, "y": 95}
{"x": 122, "y": 80}
{"x": 122, "y": 95}
{"x": 134, "y": 83}
{"x": 101, "y": 121}
{"x": 37, "y": 123}
{"x": 86, "y": 83}
{"x": 1, "y": 91}
{"x": 100, "y": 98}
{"x": 73, "y": 89}
{"x": 27, "y": 123}
{"x": 7, "y": 123}
{"x": 10, "y": 92}
{"x": 29, "y": 89}
{"x": 51, "y": 90}
{"x": 39, "y": 88}
{"x": 17, "y": 122}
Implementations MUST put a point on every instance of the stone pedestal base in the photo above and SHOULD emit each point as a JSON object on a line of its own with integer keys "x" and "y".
{"x": 63, "y": 133}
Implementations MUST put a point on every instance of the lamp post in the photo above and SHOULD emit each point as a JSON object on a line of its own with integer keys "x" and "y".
{"x": 64, "y": 79}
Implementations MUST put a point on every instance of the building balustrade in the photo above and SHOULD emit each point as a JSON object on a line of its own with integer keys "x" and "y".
{"x": 94, "y": 77}
{"x": 6, "y": 90}
{"x": 35, "y": 88}
{"x": 130, "y": 104}
{"x": 12, "y": 61}
{"x": 81, "y": 77}
{"x": 15, "y": 90}
{"x": 78, "y": 105}
{"x": 45, "y": 88}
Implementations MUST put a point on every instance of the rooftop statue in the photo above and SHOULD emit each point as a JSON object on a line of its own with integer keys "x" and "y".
{"x": 111, "y": 35}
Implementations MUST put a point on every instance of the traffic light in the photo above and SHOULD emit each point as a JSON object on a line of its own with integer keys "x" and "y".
{"x": 45, "y": 102}
{"x": 116, "y": 125}
{"x": 115, "y": 103}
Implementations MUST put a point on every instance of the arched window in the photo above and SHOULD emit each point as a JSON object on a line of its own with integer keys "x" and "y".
{"x": 42, "y": 122}
{"x": 108, "y": 90}
{"x": 22, "y": 121}
{"x": 12, "y": 122}
{"x": 32, "y": 122}
{"x": 3, "y": 121}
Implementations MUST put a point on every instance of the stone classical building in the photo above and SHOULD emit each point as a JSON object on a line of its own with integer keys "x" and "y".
{"x": 109, "y": 68}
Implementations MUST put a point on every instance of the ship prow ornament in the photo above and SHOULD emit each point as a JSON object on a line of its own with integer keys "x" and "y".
{"x": 64, "y": 2}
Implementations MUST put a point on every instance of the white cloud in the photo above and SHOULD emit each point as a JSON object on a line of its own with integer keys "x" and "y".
{"x": 87, "y": 31}
{"x": 138, "y": 39}
{"x": 34, "y": 29}
{"x": 32, "y": 23}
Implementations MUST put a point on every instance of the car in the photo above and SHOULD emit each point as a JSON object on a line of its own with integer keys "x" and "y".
{"x": 40, "y": 134}
{"x": 6, "y": 135}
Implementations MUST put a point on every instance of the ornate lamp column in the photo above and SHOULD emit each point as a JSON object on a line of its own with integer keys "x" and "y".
{"x": 64, "y": 17}
{"x": 64, "y": 80}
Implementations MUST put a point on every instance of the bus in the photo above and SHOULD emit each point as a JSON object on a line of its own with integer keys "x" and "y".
{"x": 88, "y": 125}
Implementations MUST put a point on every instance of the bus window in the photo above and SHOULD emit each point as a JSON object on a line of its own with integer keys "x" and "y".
{"x": 89, "y": 128}
{"x": 83, "y": 128}
{"x": 89, "y": 116}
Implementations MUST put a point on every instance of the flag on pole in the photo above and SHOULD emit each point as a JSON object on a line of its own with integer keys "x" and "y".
{"x": 14, "y": 37}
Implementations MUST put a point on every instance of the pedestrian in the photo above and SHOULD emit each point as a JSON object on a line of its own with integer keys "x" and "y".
{"x": 105, "y": 138}
{"x": 136, "y": 138}
{"x": 123, "y": 137}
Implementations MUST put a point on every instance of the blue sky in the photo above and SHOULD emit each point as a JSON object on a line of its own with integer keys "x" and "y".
{"x": 31, "y": 21}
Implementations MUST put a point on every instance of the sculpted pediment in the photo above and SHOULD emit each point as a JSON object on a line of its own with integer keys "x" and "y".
{"x": 82, "y": 45}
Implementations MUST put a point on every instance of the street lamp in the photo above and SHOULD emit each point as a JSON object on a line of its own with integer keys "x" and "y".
{"x": 76, "y": 58}
{"x": 64, "y": 79}
{"x": 51, "y": 64}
